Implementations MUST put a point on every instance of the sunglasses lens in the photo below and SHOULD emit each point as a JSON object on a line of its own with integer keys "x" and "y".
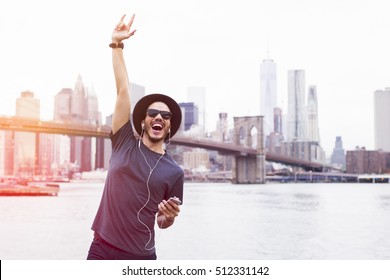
{"x": 152, "y": 114}
{"x": 164, "y": 114}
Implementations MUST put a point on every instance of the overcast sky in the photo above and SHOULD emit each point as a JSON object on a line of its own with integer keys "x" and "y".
{"x": 343, "y": 46}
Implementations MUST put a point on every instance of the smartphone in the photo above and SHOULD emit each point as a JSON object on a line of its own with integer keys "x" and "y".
{"x": 175, "y": 200}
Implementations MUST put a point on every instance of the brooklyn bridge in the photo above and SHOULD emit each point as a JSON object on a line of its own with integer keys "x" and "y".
{"x": 248, "y": 151}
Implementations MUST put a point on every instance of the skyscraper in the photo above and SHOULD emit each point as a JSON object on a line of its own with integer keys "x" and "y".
{"x": 78, "y": 105}
{"x": 62, "y": 101}
{"x": 93, "y": 115}
{"x": 190, "y": 114}
{"x": 27, "y": 106}
{"x": 103, "y": 145}
{"x": 338, "y": 155}
{"x": 198, "y": 96}
{"x": 312, "y": 114}
{"x": 278, "y": 121}
{"x": 268, "y": 93}
{"x": 296, "y": 114}
{"x": 83, "y": 110}
{"x": 61, "y": 143}
{"x": 136, "y": 93}
{"x": 274, "y": 139}
{"x": 382, "y": 119}
{"x": 25, "y": 154}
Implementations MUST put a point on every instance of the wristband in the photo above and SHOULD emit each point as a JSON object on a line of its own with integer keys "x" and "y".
{"x": 116, "y": 45}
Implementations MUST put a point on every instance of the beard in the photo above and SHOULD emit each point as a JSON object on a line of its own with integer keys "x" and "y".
{"x": 156, "y": 138}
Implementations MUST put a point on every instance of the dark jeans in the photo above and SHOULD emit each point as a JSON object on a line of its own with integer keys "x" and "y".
{"x": 102, "y": 250}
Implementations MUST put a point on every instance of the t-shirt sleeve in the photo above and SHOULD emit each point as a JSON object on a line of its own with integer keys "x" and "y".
{"x": 125, "y": 132}
{"x": 177, "y": 188}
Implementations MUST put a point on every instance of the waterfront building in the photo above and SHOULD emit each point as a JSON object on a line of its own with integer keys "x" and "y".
{"x": 382, "y": 119}
{"x": 362, "y": 161}
{"x": 296, "y": 113}
{"x": 196, "y": 159}
{"x": 268, "y": 94}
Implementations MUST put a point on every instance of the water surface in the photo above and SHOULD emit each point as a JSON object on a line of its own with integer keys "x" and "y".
{"x": 217, "y": 221}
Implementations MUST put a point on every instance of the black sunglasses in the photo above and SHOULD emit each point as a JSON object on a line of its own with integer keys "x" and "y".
{"x": 164, "y": 114}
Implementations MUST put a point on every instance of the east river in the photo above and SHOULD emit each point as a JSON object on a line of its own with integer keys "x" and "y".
{"x": 217, "y": 221}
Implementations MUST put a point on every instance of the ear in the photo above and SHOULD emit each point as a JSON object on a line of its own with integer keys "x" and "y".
{"x": 143, "y": 125}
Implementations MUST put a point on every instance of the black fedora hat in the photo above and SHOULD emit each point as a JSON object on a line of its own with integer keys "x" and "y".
{"x": 142, "y": 105}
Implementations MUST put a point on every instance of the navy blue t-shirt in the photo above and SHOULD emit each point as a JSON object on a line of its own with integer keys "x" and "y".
{"x": 126, "y": 193}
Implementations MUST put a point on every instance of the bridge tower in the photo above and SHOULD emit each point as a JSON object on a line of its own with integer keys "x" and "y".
{"x": 249, "y": 169}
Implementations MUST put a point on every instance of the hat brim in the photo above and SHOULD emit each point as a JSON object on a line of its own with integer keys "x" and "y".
{"x": 142, "y": 105}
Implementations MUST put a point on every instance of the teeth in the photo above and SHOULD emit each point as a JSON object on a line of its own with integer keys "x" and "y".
{"x": 157, "y": 126}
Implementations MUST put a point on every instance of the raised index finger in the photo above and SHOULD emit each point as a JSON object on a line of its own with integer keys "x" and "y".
{"x": 121, "y": 20}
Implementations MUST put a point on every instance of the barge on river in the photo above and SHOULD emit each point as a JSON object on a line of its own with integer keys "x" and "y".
{"x": 46, "y": 189}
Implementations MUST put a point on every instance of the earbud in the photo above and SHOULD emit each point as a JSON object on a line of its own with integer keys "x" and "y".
{"x": 142, "y": 133}
{"x": 169, "y": 137}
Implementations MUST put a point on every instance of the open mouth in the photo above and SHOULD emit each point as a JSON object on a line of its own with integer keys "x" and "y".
{"x": 157, "y": 126}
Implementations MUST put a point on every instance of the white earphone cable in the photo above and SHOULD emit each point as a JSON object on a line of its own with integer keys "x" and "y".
{"x": 148, "y": 188}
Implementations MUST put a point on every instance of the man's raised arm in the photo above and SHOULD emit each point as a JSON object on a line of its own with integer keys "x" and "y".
{"x": 121, "y": 114}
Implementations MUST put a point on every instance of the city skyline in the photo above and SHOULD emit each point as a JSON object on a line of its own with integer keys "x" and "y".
{"x": 217, "y": 45}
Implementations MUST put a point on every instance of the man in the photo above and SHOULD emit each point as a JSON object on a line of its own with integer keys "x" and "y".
{"x": 143, "y": 181}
